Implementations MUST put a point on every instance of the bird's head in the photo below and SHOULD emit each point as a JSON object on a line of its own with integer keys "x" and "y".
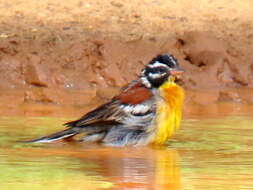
{"x": 159, "y": 70}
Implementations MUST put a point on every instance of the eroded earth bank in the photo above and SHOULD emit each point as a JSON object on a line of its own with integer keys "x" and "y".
{"x": 75, "y": 55}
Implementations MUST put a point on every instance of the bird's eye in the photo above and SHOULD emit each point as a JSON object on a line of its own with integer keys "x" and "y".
{"x": 161, "y": 70}
{"x": 171, "y": 65}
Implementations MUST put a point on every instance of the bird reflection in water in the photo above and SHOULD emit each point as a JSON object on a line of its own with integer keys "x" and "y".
{"x": 138, "y": 168}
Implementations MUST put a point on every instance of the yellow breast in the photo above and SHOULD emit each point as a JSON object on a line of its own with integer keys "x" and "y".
{"x": 169, "y": 111}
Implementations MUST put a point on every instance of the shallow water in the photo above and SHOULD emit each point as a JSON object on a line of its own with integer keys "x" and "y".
{"x": 211, "y": 153}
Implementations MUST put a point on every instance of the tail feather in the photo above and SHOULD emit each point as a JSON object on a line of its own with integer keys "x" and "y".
{"x": 55, "y": 136}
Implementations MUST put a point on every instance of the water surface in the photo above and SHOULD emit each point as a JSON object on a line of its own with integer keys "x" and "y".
{"x": 211, "y": 153}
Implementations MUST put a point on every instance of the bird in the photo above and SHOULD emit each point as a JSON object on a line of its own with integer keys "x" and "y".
{"x": 146, "y": 111}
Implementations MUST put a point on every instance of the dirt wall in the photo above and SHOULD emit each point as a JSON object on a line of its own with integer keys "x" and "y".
{"x": 80, "y": 54}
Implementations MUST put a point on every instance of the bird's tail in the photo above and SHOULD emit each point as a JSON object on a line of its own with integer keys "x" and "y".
{"x": 55, "y": 136}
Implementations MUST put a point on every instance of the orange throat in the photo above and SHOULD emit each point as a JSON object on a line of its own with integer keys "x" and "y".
{"x": 169, "y": 111}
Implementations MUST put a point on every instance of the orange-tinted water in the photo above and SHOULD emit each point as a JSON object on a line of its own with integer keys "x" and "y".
{"x": 207, "y": 153}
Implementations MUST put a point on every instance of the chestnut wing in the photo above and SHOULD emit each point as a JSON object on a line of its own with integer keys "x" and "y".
{"x": 128, "y": 102}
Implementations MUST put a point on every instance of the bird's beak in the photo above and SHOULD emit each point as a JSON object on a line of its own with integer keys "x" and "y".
{"x": 178, "y": 71}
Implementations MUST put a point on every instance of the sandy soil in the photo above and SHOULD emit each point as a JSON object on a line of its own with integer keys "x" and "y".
{"x": 78, "y": 53}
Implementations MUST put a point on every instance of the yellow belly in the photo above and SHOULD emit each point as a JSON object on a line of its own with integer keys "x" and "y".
{"x": 169, "y": 111}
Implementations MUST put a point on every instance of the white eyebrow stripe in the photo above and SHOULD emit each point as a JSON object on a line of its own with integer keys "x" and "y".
{"x": 156, "y": 75}
{"x": 157, "y": 64}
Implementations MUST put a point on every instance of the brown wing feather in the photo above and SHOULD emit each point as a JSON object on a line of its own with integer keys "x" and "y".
{"x": 135, "y": 94}
{"x": 103, "y": 114}
{"x": 111, "y": 112}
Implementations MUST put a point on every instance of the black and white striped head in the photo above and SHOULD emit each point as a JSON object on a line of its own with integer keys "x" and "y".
{"x": 159, "y": 69}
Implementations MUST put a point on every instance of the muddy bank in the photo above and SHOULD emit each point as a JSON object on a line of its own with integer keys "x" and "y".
{"x": 100, "y": 65}
{"x": 59, "y": 58}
